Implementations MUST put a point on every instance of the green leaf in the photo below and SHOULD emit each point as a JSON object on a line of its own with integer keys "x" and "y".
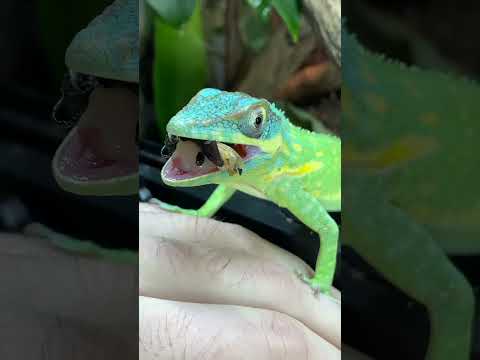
{"x": 262, "y": 7}
{"x": 173, "y": 12}
{"x": 259, "y": 4}
{"x": 180, "y": 66}
{"x": 290, "y": 13}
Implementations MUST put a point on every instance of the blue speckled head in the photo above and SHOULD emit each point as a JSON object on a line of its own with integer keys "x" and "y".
{"x": 225, "y": 116}
{"x": 108, "y": 46}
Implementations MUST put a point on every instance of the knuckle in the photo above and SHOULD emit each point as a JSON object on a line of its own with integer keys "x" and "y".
{"x": 282, "y": 277}
{"x": 217, "y": 261}
{"x": 173, "y": 255}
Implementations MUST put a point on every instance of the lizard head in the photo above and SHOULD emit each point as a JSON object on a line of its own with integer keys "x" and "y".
{"x": 109, "y": 46}
{"x": 99, "y": 97}
{"x": 221, "y": 136}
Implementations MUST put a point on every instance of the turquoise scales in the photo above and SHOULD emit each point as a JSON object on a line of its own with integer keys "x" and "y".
{"x": 109, "y": 46}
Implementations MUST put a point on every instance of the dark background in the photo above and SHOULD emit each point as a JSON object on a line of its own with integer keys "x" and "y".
{"x": 33, "y": 38}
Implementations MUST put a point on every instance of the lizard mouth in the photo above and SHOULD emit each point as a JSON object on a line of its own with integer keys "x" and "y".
{"x": 195, "y": 158}
{"x": 101, "y": 149}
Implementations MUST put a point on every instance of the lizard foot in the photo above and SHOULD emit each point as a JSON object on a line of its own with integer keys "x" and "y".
{"x": 173, "y": 208}
{"x": 317, "y": 285}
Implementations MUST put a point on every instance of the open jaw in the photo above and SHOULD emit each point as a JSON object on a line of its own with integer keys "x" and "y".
{"x": 101, "y": 149}
{"x": 195, "y": 158}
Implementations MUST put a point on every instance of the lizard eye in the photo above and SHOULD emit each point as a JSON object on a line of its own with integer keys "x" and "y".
{"x": 256, "y": 122}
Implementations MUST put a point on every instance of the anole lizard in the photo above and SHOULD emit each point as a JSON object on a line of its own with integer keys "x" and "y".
{"x": 243, "y": 143}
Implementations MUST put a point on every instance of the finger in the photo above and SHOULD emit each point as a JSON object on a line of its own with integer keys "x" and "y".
{"x": 203, "y": 271}
{"x": 210, "y": 233}
{"x": 39, "y": 277}
{"x": 170, "y": 330}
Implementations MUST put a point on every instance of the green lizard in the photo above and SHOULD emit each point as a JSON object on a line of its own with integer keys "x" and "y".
{"x": 408, "y": 136}
{"x": 268, "y": 158}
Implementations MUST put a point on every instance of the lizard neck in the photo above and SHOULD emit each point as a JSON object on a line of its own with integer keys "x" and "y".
{"x": 300, "y": 145}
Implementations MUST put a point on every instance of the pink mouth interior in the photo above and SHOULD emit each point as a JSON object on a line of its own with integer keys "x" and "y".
{"x": 182, "y": 165}
{"x": 102, "y": 145}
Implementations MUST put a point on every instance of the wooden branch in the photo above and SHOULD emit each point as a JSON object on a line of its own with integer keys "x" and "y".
{"x": 325, "y": 16}
{"x": 272, "y": 67}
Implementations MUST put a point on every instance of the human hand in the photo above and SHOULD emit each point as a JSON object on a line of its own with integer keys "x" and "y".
{"x": 57, "y": 305}
{"x": 217, "y": 290}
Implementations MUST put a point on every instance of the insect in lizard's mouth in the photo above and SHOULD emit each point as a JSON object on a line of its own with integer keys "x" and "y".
{"x": 102, "y": 144}
{"x": 195, "y": 158}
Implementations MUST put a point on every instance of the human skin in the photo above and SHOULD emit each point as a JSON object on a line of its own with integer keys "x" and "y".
{"x": 216, "y": 290}
{"x": 66, "y": 306}
{"x": 57, "y": 305}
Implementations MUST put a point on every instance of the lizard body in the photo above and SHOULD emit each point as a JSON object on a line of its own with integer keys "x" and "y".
{"x": 292, "y": 167}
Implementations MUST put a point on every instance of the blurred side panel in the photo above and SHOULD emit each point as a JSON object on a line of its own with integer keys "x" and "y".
{"x": 68, "y": 268}
{"x": 410, "y": 129}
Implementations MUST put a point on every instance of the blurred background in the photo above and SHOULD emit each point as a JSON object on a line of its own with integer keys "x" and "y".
{"x": 441, "y": 35}
{"x": 34, "y": 35}
{"x": 264, "y": 48}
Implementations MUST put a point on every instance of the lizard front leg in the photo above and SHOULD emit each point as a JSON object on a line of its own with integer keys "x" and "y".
{"x": 219, "y": 197}
{"x": 309, "y": 210}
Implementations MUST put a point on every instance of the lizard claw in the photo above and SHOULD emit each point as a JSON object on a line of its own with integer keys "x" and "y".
{"x": 316, "y": 286}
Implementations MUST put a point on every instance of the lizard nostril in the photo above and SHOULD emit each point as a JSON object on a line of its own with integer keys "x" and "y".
{"x": 200, "y": 159}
